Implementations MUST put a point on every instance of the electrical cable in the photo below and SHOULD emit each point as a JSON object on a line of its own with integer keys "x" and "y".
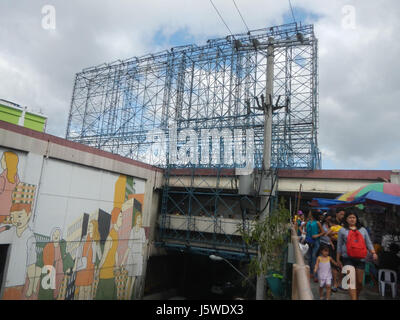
{"x": 270, "y": 195}
{"x": 222, "y": 18}
{"x": 241, "y": 16}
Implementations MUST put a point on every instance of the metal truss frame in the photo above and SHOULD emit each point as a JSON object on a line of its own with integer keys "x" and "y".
{"x": 190, "y": 196}
{"x": 115, "y": 106}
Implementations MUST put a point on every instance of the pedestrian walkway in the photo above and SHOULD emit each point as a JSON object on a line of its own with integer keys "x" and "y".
{"x": 366, "y": 294}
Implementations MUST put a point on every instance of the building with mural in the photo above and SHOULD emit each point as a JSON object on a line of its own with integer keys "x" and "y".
{"x": 75, "y": 222}
{"x": 78, "y": 223}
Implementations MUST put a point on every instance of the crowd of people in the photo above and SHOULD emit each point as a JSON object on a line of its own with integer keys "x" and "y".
{"x": 340, "y": 247}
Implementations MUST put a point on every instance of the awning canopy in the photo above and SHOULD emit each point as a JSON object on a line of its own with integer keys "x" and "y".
{"x": 372, "y": 197}
{"x": 325, "y": 204}
{"x": 375, "y": 197}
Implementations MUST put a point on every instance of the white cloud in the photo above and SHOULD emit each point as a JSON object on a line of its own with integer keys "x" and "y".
{"x": 358, "y": 109}
{"x": 358, "y": 68}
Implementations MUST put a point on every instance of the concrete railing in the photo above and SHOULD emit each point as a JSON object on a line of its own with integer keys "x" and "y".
{"x": 301, "y": 289}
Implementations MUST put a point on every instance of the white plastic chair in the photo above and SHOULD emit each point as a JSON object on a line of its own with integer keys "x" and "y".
{"x": 387, "y": 279}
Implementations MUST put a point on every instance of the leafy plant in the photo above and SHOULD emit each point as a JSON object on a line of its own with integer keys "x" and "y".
{"x": 270, "y": 236}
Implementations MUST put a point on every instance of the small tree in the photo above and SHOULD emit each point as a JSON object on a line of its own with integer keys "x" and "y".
{"x": 270, "y": 236}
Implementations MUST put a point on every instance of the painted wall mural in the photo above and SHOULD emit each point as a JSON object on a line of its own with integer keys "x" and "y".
{"x": 9, "y": 179}
{"x": 86, "y": 238}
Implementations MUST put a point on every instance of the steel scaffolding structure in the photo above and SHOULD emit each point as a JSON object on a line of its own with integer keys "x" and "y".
{"x": 115, "y": 106}
{"x": 208, "y": 94}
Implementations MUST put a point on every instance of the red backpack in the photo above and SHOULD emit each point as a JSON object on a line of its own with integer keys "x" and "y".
{"x": 355, "y": 245}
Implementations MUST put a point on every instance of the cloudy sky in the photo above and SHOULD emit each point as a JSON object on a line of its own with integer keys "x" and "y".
{"x": 359, "y": 50}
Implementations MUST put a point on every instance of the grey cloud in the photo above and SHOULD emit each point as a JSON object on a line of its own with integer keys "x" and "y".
{"x": 358, "y": 91}
{"x": 358, "y": 68}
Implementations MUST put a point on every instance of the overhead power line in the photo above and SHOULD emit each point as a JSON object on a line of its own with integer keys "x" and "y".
{"x": 241, "y": 16}
{"x": 221, "y": 17}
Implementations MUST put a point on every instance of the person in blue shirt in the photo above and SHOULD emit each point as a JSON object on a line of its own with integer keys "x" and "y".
{"x": 313, "y": 233}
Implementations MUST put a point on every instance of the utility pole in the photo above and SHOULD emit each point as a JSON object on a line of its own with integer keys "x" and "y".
{"x": 264, "y": 201}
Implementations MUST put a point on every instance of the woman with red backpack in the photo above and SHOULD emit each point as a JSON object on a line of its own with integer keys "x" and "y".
{"x": 352, "y": 246}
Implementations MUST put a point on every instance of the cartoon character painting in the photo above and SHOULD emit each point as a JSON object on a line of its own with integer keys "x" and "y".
{"x": 106, "y": 289}
{"x": 9, "y": 179}
{"x": 85, "y": 263}
{"x": 134, "y": 256}
{"x": 55, "y": 255}
{"x": 104, "y": 266}
{"x": 23, "y": 281}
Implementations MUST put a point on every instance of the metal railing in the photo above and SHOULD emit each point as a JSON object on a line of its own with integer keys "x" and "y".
{"x": 301, "y": 289}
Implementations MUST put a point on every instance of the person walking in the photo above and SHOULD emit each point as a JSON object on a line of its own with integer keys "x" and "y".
{"x": 324, "y": 271}
{"x": 303, "y": 232}
{"x": 339, "y": 216}
{"x": 328, "y": 243}
{"x": 313, "y": 233}
{"x": 353, "y": 245}
{"x": 335, "y": 226}
{"x": 300, "y": 222}
{"x": 325, "y": 239}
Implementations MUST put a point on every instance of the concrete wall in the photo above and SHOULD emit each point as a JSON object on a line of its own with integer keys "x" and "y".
{"x": 205, "y": 224}
{"x": 321, "y": 185}
{"x": 71, "y": 217}
{"x": 313, "y": 185}
{"x": 203, "y": 182}
{"x": 395, "y": 177}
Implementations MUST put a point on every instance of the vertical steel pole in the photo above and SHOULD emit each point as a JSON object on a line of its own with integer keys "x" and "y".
{"x": 264, "y": 201}
{"x": 268, "y": 114}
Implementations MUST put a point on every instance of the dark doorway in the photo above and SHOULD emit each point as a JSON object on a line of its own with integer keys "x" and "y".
{"x": 3, "y": 260}
{"x": 196, "y": 277}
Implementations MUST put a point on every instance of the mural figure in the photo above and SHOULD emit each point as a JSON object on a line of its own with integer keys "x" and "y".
{"x": 123, "y": 187}
{"x": 134, "y": 255}
{"x": 22, "y": 258}
{"x": 104, "y": 257}
{"x": 8, "y": 181}
{"x": 55, "y": 254}
{"x": 123, "y": 235}
{"x": 106, "y": 289}
{"x": 85, "y": 263}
